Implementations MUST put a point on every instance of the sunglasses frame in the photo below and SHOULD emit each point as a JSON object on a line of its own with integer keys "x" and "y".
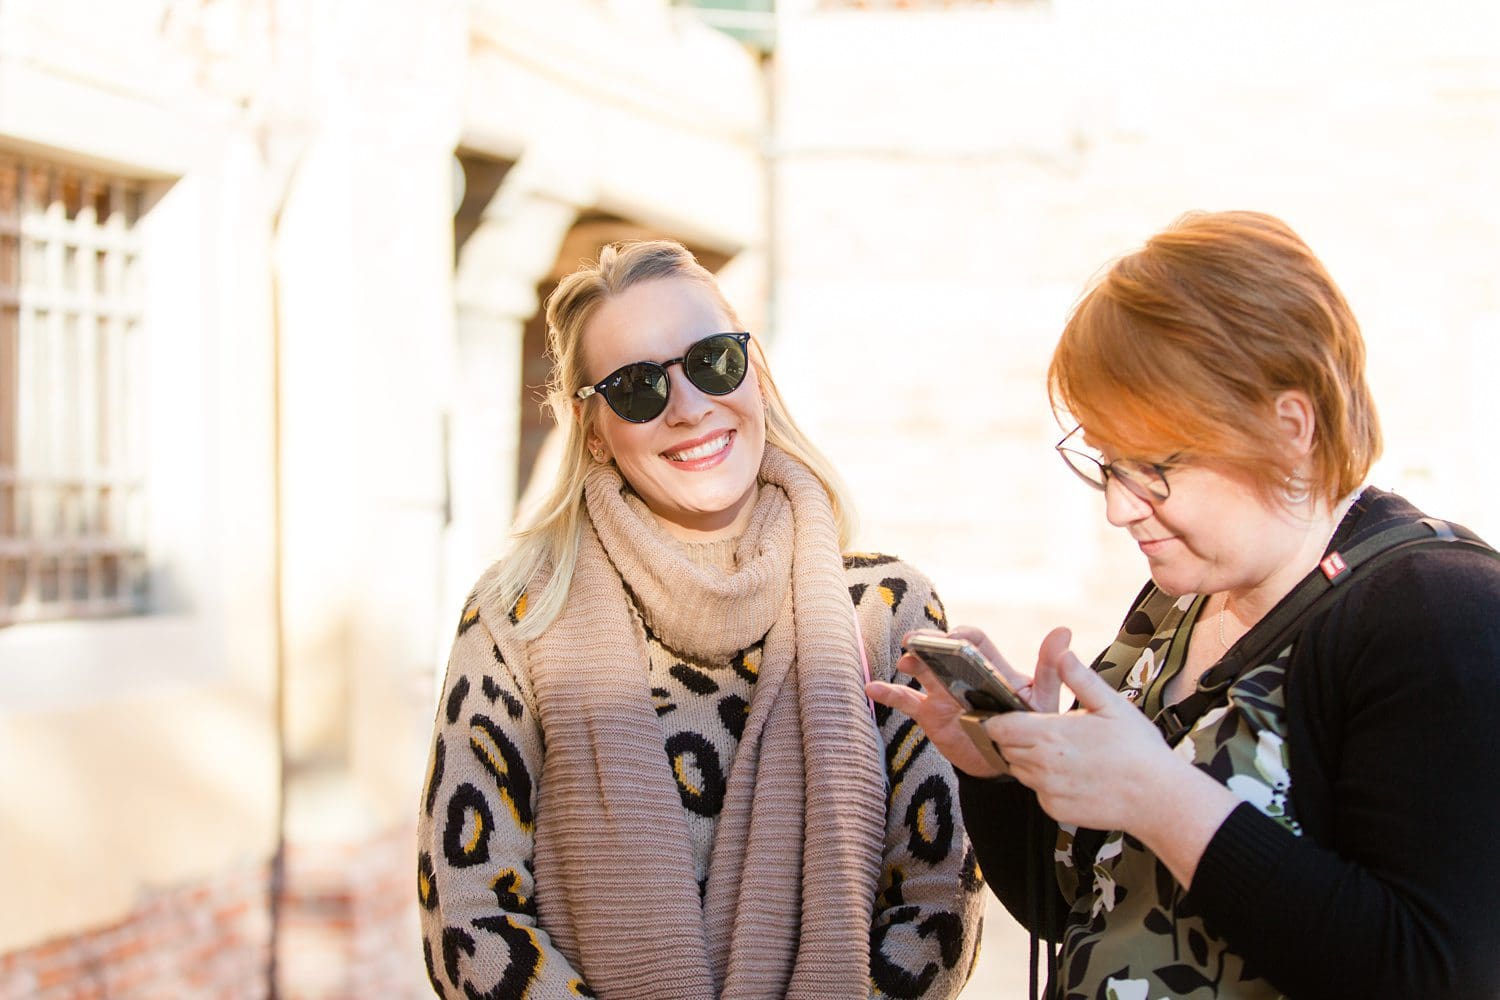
{"x": 742, "y": 337}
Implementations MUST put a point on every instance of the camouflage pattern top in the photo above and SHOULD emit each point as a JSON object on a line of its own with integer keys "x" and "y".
{"x": 1131, "y": 933}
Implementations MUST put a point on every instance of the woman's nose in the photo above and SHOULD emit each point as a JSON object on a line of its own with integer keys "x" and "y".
{"x": 686, "y": 403}
{"x": 1121, "y": 506}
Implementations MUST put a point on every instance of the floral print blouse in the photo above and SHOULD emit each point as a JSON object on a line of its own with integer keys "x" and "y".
{"x": 1131, "y": 933}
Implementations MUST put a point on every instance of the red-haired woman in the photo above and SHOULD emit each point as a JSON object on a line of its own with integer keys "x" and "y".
{"x": 1325, "y": 827}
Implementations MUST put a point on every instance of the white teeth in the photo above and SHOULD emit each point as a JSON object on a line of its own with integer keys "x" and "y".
{"x": 703, "y": 450}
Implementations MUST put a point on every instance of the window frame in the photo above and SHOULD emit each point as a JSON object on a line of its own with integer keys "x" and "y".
{"x": 71, "y": 531}
{"x": 208, "y": 422}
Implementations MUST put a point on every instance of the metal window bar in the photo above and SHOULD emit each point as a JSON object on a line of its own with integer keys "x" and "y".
{"x": 71, "y": 494}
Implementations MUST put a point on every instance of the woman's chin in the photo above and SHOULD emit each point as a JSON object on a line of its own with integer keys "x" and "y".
{"x": 707, "y": 519}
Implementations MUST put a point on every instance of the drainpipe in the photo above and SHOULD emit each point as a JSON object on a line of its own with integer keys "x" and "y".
{"x": 278, "y": 543}
{"x": 772, "y": 154}
{"x": 278, "y": 618}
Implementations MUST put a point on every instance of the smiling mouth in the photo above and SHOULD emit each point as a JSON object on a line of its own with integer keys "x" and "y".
{"x": 712, "y": 446}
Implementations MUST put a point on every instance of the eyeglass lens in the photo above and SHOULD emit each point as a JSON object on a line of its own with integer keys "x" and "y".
{"x": 1145, "y": 481}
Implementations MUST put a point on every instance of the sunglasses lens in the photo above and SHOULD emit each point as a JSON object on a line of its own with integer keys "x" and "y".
{"x": 638, "y": 392}
{"x": 716, "y": 365}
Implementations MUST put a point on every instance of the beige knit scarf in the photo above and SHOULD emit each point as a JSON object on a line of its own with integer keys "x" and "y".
{"x": 797, "y": 853}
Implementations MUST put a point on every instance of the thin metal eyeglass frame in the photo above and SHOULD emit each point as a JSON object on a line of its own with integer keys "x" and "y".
{"x": 743, "y": 336}
{"x": 1108, "y": 470}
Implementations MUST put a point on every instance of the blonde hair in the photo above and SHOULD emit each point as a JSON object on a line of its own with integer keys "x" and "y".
{"x": 549, "y": 539}
{"x": 1185, "y": 344}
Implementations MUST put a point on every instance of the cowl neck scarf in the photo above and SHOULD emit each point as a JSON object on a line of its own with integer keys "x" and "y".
{"x": 791, "y": 882}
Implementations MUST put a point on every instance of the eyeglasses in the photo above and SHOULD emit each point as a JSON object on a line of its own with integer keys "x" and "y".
{"x": 1146, "y": 480}
{"x": 638, "y": 391}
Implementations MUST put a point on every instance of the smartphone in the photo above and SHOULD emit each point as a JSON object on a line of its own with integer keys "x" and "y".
{"x": 967, "y": 675}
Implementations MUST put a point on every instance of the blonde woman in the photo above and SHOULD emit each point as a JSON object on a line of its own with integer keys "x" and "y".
{"x": 654, "y": 771}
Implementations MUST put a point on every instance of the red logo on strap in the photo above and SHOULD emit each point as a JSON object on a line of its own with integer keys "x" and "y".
{"x": 1333, "y": 565}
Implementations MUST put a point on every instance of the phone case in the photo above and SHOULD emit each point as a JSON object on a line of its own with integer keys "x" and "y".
{"x": 973, "y": 727}
{"x": 961, "y": 668}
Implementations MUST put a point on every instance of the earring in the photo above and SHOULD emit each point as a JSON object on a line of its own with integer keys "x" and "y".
{"x": 597, "y": 452}
{"x": 1295, "y": 489}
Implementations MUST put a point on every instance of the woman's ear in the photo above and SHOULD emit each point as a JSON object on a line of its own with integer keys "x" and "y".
{"x": 1298, "y": 422}
{"x": 596, "y": 448}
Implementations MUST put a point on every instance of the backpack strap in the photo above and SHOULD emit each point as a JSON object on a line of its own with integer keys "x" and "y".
{"x": 1318, "y": 590}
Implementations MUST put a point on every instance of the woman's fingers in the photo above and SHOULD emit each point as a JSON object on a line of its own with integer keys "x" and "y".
{"x": 938, "y": 715}
{"x": 1093, "y": 692}
{"x": 915, "y": 666}
{"x": 991, "y": 652}
{"x": 980, "y": 641}
{"x": 898, "y": 696}
{"x": 1047, "y": 684}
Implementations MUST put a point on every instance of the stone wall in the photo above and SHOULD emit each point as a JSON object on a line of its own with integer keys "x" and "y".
{"x": 947, "y": 179}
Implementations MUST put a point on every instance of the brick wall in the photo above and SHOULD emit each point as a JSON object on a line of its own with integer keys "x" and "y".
{"x": 348, "y": 922}
{"x": 348, "y": 931}
{"x": 205, "y": 940}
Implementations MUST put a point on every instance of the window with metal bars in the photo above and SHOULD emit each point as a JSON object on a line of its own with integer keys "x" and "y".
{"x": 71, "y": 491}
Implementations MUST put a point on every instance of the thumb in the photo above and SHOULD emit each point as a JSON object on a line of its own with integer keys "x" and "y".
{"x": 1091, "y": 690}
{"x": 1047, "y": 686}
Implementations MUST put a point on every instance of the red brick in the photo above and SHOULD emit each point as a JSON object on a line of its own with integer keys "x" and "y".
{"x": 17, "y": 984}
{"x": 57, "y": 974}
{"x": 220, "y": 927}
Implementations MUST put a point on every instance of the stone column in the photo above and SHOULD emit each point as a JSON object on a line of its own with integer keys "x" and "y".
{"x": 499, "y": 267}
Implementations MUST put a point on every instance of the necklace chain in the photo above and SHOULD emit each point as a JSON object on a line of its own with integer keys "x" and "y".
{"x": 1223, "y": 642}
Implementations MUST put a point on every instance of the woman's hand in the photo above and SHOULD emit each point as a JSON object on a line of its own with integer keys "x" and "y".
{"x": 938, "y": 713}
{"x": 1104, "y": 765}
{"x": 1084, "y": 765}
{"x": 1041, "y": 690}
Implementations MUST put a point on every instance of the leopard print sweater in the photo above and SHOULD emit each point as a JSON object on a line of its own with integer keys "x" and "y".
{"x": 481, "y": 936}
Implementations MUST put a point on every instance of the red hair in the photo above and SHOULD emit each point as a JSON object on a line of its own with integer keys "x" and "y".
{"x": 1185, "y": 344}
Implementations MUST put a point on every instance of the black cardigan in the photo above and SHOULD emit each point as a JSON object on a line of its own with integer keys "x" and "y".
{"x": 1393, "y": 714}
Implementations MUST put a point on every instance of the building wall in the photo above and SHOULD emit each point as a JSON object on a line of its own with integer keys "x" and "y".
{"x": 225, "y": 790}
{"x": 332, "y": 463}
{"x": 948, "y": 179}
{"x": 137, "y": 755}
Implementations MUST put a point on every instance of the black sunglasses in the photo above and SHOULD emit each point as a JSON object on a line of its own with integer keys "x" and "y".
{"x": 638, "y": 391}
